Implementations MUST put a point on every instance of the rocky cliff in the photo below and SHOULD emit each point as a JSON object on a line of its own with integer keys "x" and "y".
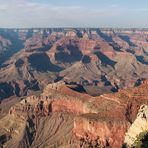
{"x": 85, "y": 121}
{"x": 139, "y": 126}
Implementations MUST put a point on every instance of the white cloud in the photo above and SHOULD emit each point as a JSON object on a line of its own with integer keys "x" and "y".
{"x": 21, "y": 13}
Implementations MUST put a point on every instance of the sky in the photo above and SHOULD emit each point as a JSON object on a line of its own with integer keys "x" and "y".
{"x": 74, "y": 13}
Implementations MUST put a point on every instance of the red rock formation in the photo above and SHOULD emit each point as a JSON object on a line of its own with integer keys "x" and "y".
{"x": 112, "y": 124}
{"x": 106, "y": 118}
{"x": 68, "y": 105}
{"x": 110, "y": 131}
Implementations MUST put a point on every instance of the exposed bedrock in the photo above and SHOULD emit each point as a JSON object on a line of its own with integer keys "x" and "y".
{"x": 102, "y": 120}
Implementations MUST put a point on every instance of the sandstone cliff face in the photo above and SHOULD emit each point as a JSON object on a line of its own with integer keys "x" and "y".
{"x": 139, "y": 125}
{"x": 12, "y": 130}
{"x": 110, "y": 132}
{"x": 68, "y": 105}
{"x": 113, "y": 116}
{"x": 57, "y": 97}
{"x": 102, "y": 120}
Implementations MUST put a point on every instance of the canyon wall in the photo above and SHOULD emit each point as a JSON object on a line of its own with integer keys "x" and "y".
{"x": 140, "y": 125}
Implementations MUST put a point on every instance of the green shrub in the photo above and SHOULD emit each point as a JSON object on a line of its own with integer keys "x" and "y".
{"x": 142, "y": 140}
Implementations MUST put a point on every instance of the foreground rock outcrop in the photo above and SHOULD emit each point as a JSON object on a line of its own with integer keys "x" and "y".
{"x": 84, "y": 121}
{"x": 109, "y": 131}
{"x": 139, "y": 126}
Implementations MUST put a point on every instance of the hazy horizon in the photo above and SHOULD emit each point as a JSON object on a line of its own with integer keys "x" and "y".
{"x": 73, "y": 14}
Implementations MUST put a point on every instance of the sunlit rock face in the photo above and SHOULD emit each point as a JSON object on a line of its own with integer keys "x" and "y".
{"x": 109, "y": 132}
{"x": 139, "y": 125}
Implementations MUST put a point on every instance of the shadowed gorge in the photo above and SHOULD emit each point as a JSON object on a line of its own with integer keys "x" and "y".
{"x": 141, "y": 59}
{"x": 41, "y": 62}
{"x": 105, "y": 60}
{"x": 15, "y": 45}
{"x": 127, "y": 39}
{"x": 72, "y": 54}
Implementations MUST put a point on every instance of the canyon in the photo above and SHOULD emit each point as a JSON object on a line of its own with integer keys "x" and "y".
{"x": 101, "y": 60}
{"x": 73, "y": 87}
